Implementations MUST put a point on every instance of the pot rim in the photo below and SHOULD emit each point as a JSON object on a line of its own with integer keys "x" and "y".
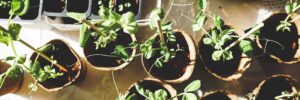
{"x": 167, "y": 86}
{"x": 296, "y": 58}
{"x": 229, "y": 94}
{"x": 80, "y": 68}
{"x": 192, "y": 56}
{"x": 289, "y": 78}
{"x": 121, "y": 66}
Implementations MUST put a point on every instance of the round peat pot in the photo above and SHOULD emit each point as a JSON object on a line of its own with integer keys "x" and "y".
{"x": 177, "y": 69}
{"x": 288, "y": 51}
{"x": 274, "y": 86}
{"x": 54, "y": 5}
{"x": 152, "y": 85}
{"x": 217, "y": 95}
{"x": 226, "y": 70}
{"x": 67, "y": 57}
{"x": 11, "y": 84}
{"x": 94, "y": 56}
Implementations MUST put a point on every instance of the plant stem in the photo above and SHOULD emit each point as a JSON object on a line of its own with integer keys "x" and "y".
{"x": 161, "y": 34}
{"x": 116, "y": 86}
{"x": 43, "y": 55}
{"x": 92, "y": 26}
{"x": 244, "y": 36}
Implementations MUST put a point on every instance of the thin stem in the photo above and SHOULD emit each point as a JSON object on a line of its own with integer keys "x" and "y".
{"x": 104, "y": 55}
{"x": 113, "y": 77}
{"x": 161, "y": 34}
{"x": 92, "y": 26}
{"x": 43, "y": 55}
{"x": 244, "y": 36}
{"x": 176, "y": 96}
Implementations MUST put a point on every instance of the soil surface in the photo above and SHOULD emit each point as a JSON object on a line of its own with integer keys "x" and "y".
{"x": 64, "y": 57}
{"x": 103, "y": 61}
{"x": 287, "y": 39}
{"x": 175, "y": 68}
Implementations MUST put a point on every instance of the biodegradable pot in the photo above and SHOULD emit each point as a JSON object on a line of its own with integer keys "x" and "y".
{"x": 227, "y": 70}
{"x": 178, "y": 69}
{"x": 10, "y": 85}
{"x": 54, "y": 5}
{"x": 108, "y": 63}
{"x": 274, "y": 86}
{"x": 66, "y": 57}
{"x": 152, "y": 85}
{"x": 290, "y": 40}
{"x": 216, "y": 95}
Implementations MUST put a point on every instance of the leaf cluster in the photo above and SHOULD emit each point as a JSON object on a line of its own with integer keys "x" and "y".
{"x": 291, "y": 7}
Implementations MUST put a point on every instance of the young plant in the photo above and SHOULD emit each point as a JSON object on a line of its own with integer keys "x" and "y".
{"x": 291, "y": 7}
{"x": 106, "y": 29}
{"x": 8, "y": 36}
{"x": 219, "y": 34}
{"x": 287, "y": 96}
{"x": 161, "y": 30}
{"x": 162, "y": 94}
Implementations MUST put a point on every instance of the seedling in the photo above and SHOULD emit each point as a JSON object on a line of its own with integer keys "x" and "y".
{"x": 287, "y": 95}
{"x": 291, "y": 7}
{"x": 219, "y": 34}
{"x": 162, "y": 94}
{"x": 106, "y": 29}
{"x": 160, "y": 30}
{"x": 8, "y": 36}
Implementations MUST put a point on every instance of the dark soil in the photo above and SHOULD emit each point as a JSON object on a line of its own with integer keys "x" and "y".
{"x": 80, "y": 6}
{"x": 54, "y": 5}
{"x": 147, "y": 85}
{"x": 33, "y": 11}
{"x": 90, "y": 49}
{"x": 220, "y": 95}
{"x": 64, "y": 57}
{"x": 222, "y": 68}
{"x": 95, "y": 5}
{"x": 133, "y": 8}
{"x": 288, "y": 39}
{"x": 4, "y": 12}
{"x": 273, "y": 87}
{"x": 175, "y": 68}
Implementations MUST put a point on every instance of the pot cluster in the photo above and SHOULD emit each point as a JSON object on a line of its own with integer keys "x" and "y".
{"x": 168, "y": 56}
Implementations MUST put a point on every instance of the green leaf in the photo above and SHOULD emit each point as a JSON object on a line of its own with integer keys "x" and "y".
{"x": 247, "y": 47}
{"x": 202, "y": 4}
{"x": 84, "y": 35}
{"x": 218, "y": 22}
{"x": 33, "y": 87}
{"x": 208, "y": 41}
{"x": 132, "y": 97}
{"x": 19, "y": 7}
{"x": 195, "y": 85}
{"x": 14, "y": 30}
{"x": 217, "y": 55}
{"x": 76, "y": 16}
{"x": 155, "y": 15}
{"x": 201, "y": 18}
{"x": 227, "y": 55}
{"x": 15, "y": 71}
{"x": 161, "y": 94}
{"x": 141, "y": 90}
{"x": 47, "y": 48}
{"x": 35, "y": 67}
{"x": 22, "y": 59}
{"x": 288, "y": 8}
{"x": 5, "y": 40}
{"x": 121, "y": 52}
{"x": 9, "y": 58}
{"x": 189, "y": 96}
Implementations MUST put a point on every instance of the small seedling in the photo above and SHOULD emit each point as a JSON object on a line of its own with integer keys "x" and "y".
{"x": 291, "y": 7}
{"x": 106, "y": 29}
{"x": 161, "y": 30}
{"x": 288, "y": 96}
{"x": 161, "y": 94}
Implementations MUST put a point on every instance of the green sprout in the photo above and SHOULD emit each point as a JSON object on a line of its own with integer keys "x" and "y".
{"x": 291, "y": 7}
